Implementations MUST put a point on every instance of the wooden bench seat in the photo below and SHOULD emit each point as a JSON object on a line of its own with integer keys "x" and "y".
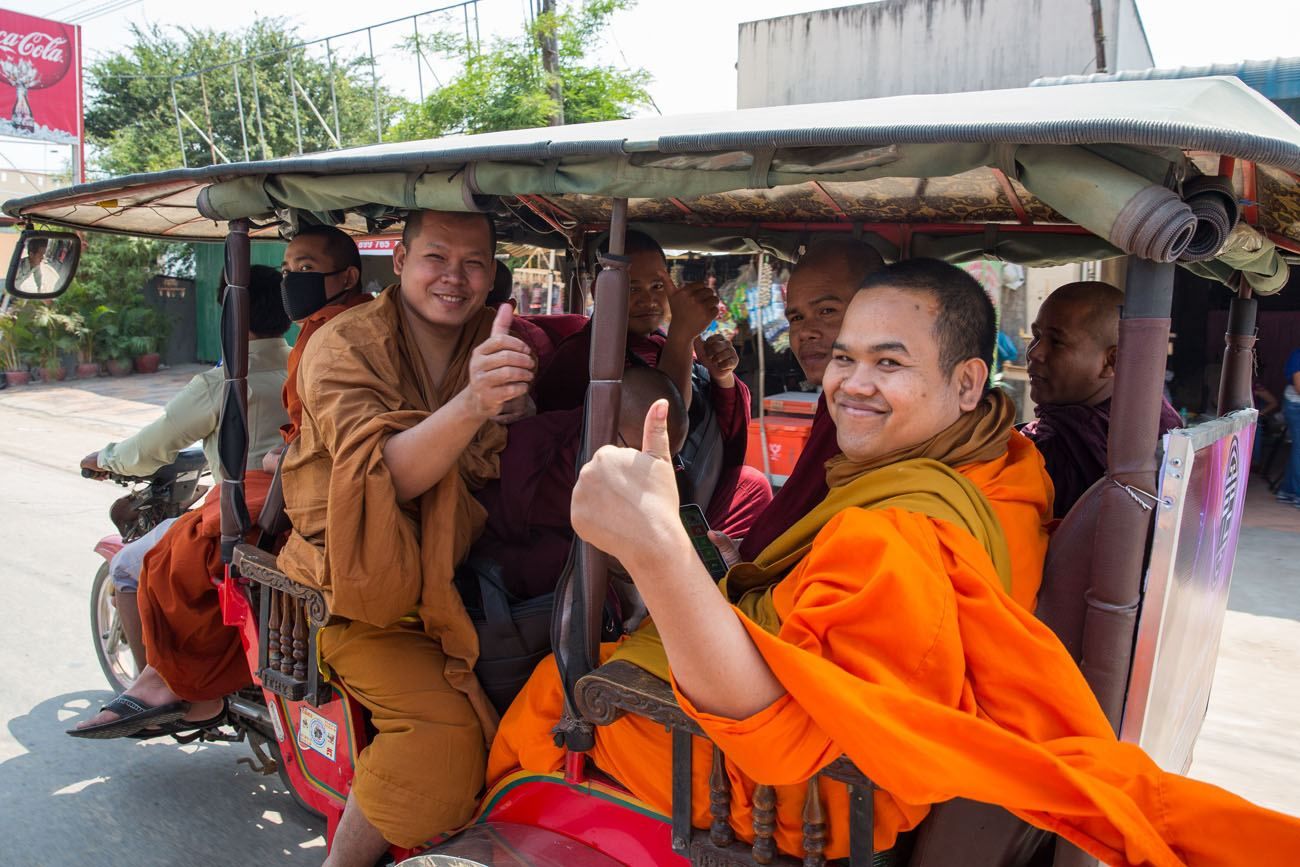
{"x": 620, "y": 687}
{"x": 289, "y": 615}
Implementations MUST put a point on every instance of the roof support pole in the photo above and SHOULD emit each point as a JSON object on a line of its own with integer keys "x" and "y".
{"x": 1129, "y": 497}
{"x": 1235, "y": 382}
{"x": 293, "y": 93}
{"x": 580, "y": 598}
{"x": 180, "y": 130}
{"x": 233, "y": 427}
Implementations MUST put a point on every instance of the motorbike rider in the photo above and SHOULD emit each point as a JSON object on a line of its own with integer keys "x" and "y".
{"x": 193, "y": 415}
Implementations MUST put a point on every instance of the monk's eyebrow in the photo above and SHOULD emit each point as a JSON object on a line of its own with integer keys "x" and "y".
{"x": 876, "y": 348}
{"x": 823, "y": 298}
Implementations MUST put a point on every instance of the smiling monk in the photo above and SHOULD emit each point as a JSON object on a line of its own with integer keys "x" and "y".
{"x": 399, "y": 401}
{"x": 880, "y": 626}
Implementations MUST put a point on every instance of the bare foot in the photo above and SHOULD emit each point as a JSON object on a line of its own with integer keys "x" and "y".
{"x": 151, "y": 689}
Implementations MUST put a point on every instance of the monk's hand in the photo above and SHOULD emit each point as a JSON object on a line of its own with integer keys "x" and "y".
{"x": 719, "y": 358}
{"x": 625, "y": 502}
{"x": 271, "y": 460}
{"x": 726, "y": 547}
{"x": 693, "y": 306}
{"x": 500, "y": 369}
{"x": 91, "y": 469}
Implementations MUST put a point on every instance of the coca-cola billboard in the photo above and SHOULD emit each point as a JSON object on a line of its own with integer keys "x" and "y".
{"x": 40, "y": 78}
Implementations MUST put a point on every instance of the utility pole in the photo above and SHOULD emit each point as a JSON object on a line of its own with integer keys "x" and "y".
{"x": 1099, "y": 36}
{"x": 550, "y": 58}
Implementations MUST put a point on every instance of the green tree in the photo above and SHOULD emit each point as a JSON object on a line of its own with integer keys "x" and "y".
{"x": 509, "y": 87}
{"x": 131, "y": 125}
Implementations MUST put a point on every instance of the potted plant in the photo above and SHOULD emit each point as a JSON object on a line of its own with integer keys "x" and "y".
{"x": 54, "y": 335}
{"x": 88, "y": 345}
{"x": 14, "y": 339}
{"x": 116, "y": 337}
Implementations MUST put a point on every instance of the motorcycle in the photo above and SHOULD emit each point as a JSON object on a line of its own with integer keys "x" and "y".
{"x": 167, "y": 493}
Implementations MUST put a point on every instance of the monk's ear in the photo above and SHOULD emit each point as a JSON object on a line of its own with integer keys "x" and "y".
{"x": 399, "y": 258}
{"x": 1108, "y": 362}
{"x": 354, "y": 277}
{"x": 971, "y": 376}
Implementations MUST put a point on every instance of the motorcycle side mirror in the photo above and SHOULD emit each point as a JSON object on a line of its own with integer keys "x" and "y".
{"x": 43, "y": 264}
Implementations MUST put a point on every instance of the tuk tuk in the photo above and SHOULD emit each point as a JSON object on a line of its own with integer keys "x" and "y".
{"x": 1202, "y": 174}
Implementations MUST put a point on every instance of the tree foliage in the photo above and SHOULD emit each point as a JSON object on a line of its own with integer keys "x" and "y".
{"x": 506, "y": 86}
{"x": 131, "y": 125}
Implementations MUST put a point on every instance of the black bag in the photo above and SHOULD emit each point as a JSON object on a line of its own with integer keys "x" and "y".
{"x": 513, "y": 634}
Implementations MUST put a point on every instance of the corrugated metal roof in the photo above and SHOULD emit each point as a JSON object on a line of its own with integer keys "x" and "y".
{"x": 1277, "y": 79}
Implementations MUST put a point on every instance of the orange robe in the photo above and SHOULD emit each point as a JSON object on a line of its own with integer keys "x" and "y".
{"x": 898, "y": 646}
{"x": 185, "y": 638}
{"x": 308, "y": 327}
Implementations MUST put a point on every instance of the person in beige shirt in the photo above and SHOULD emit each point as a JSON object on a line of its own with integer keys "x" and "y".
{"x": 193, "y": 415}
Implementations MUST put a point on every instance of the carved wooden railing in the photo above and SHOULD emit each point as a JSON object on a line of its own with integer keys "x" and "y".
{"x": 619, "y": 687}
{"x": 289, "y": 615}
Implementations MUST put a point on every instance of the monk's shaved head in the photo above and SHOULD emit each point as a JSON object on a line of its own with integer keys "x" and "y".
{"x": 820, "y": 289}
{"x": 1076, "y": 335}
{"x": 642, "y": 386}
{"x": 1096, "y": 305}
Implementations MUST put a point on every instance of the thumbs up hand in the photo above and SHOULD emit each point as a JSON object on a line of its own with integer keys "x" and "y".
{"x": 625, "y": 502}
{"x": 500, "y": 368}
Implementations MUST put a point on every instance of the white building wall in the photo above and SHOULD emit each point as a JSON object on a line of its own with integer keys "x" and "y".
{"x": 894, "y": 47}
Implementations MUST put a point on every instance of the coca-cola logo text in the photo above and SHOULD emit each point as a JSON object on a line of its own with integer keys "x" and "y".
{"x": 35, "y": 45}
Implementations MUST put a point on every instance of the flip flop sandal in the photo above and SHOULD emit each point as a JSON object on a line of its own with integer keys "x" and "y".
{"x": 133, "y": 715}
{"x": 180, "y": 727}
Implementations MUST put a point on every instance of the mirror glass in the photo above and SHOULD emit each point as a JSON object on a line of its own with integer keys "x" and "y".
{"x": 43, "y": 264}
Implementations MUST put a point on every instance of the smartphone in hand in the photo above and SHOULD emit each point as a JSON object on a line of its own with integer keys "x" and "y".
{"x": 698, "y": 529}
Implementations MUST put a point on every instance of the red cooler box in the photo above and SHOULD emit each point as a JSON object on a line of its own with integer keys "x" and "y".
{"x": 786, "y": 438}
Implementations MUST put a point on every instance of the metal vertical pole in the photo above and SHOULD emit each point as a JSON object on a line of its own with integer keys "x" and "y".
{"x": 419, "y": 57}
{"x": 257, "y": 110}
{"x": 207, "y": 117}
{"x": 293, "y": 92}
{"x": 374, "y": 86}
{"x": 478, "y": 38}
{"x": 243, "y": 127}
{"x": 334, "y": 97}
{"x": 180, "y": 130}
{"x": 762, "y": 368}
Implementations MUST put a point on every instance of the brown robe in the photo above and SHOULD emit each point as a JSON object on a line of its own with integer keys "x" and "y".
{"x": 387, "y": 567}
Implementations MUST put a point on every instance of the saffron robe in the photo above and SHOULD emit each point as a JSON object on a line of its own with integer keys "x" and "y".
{"x": 400, "y": 640}
{"x": 308, "y": 327}
{"x": 185, "y": 638}
{"x": 898, "y": 646}
{"x": 1072, "y": 439}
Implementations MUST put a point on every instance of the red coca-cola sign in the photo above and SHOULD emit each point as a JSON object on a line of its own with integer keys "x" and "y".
{"x": 40, "y": 78}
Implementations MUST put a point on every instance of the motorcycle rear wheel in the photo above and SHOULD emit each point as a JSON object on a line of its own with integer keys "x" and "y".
{"x": 111, "y": 649}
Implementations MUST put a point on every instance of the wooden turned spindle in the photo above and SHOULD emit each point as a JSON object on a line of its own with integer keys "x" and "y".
{"x": 720, "y": 832}
{"x": 273, "y": 631}
{"x": 300, "y": 642}
{"x": 286, "y": 634}
{"x": 764, "y": 850}
{"x": 814, "y": 826}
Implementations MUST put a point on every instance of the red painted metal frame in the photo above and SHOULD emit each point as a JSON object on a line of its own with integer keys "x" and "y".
{"x": 829, "y": 200}
{"x": 606, "y": 818}
{"x": 550, "y": 212}
{"x": 1012, "y": 196}
{"x": 1249, "y": 192}
{"x": 681, "y": 206}
{"x": 1291, "y": 245}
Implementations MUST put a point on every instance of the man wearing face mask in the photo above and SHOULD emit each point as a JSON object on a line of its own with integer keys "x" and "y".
{"x": 322, "y": 278}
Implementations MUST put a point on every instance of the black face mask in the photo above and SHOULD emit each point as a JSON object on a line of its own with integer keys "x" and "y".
{"x": 303, "y": 292}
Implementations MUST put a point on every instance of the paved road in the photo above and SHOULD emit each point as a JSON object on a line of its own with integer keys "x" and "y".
{"x": 104, "y": 803}
{"x": 128, "y": 804}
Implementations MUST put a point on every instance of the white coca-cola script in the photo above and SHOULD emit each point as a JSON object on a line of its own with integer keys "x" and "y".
{"x": 35, "y": 45}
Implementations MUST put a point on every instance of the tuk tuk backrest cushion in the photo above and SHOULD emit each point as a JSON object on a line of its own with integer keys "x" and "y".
{"x": 1067, "y": 572}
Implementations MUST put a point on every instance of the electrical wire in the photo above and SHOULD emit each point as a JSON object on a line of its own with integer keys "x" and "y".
{"x": 101, "y": 10}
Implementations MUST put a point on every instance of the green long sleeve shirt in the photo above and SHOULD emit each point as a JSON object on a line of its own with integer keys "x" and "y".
{"x": 193, "y": 414}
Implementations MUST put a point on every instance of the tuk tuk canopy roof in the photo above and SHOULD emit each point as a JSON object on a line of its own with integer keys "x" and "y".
{"x": 1034, "y": 175}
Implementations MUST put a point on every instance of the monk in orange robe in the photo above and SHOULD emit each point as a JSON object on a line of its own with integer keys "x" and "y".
{"x": 881, "y": 626}
{"x": 400, "y": 399}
